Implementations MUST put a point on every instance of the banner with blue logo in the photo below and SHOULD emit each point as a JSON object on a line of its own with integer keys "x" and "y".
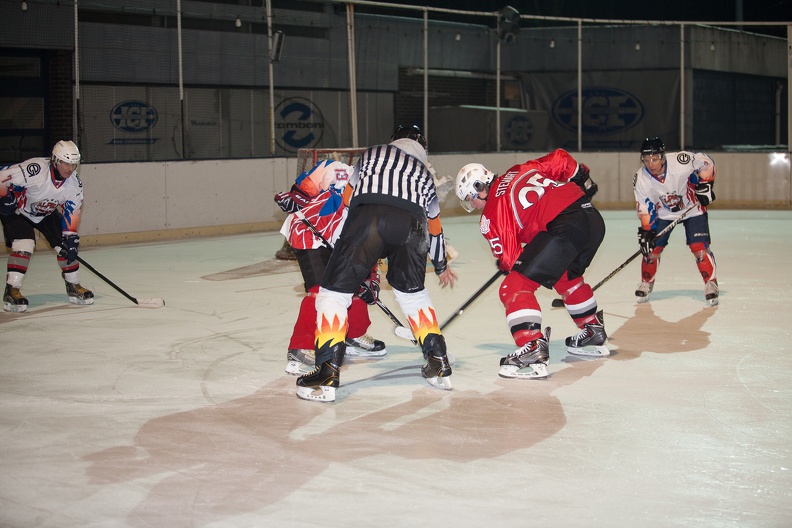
{"x": 619, "y": 109}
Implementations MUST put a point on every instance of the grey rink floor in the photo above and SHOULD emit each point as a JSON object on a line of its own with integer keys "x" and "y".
{"x": 114, "y": 415}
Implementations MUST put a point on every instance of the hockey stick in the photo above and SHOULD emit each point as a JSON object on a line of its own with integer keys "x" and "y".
{"x": 326, "y": 243}
{"x": 559, "y": 303}
{"x": 146, "y": 303}
{"x": 54, "y": 241}
{"x": 472, "y": 298}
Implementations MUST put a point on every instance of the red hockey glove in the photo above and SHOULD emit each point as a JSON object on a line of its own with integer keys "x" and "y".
{"x": 293, "y": 200}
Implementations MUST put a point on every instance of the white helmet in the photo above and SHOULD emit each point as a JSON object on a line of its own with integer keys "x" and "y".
{"x": 67, "y": 152}
{"x": 472, "y": 179}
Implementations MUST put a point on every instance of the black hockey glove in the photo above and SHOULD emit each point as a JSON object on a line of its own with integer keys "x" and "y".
{"x": 8, "y": 204}
{"x": 70, "y": 244}
{"x": 704, "y": 193}
{"x": 293, "y": 200}
{"x": 646, "y": 240}
{"x": 584, "y": 181}
{"x": 370, "y": 289}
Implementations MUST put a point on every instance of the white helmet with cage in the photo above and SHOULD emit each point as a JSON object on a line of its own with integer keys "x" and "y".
{"x": 471, "y": 180}
{"x": 67, "y": 152}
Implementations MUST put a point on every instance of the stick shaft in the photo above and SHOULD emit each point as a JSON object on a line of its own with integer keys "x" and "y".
{"x": 472, "y": 298}
{"x": 54, "y": 241}
{"x": 108, "y": 281}
{"x": 665, "y": 230}
{"x": 389, "y": 314}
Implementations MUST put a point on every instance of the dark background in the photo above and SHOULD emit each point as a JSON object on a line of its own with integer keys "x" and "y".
{"x": 675, "y": 10}
{"x": 697, "y": 10}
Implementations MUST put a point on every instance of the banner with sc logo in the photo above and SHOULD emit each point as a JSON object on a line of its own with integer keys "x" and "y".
{"x": 298, "y": 124}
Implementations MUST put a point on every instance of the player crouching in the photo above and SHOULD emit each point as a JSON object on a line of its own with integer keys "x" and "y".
{"x": 544, "y": 231}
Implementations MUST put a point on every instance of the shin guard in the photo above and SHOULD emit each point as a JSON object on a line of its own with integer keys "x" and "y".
{"x": 332, "y": 322}
{"x": 578, "y": 298}
{"x": 705, "y": 261}
{"x": 649, "y": 265}
{"x": 421, "y": 316}
{"x": 523, "y": 314}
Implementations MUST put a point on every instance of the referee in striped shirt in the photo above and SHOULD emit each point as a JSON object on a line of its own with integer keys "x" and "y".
{"x": 394, "y": 214}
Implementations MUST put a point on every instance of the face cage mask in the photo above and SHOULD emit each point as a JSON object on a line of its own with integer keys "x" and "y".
{"x": 478, "y": 186}
{"x": 649, "y": 157}
{"x": 59, "y": 161}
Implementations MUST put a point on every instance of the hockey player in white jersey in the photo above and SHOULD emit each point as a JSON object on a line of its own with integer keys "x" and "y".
{"x": 316, "y": 197}
{"x": 667, "y": 185}
{"x": 45, "y": 194}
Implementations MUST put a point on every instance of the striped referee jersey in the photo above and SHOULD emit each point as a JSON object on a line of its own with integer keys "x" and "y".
{"x": 397, "y": 174}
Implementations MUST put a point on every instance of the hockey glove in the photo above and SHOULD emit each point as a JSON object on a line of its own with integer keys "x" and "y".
{"x": 584, "y": 181}
{"x": 8, "y": 204}
{"x": 704, "y": 193}
{"x": 70, "y": 244}
{"x": 646, "y": 240}
{"x": 370, "y": 289}
{"x": 293, "y": 200}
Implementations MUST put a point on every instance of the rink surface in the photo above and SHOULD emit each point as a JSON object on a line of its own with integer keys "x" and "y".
{"x": 114, "y": 415}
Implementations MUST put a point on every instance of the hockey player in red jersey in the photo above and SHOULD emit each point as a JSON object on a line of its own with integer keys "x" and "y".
{"x": 316, "y": 197}
{"x": 543, "y": 231}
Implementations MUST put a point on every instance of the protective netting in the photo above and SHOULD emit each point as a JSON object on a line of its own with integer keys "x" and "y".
{"x": 308, "y": 158}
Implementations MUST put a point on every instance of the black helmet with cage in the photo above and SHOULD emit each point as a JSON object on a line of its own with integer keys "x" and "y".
{"x": 410, "y": 132}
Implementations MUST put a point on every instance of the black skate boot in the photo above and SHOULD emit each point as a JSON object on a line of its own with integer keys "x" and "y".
{"x": 321, "y": 384}
{"x": 78, "y": 294}
{"x": 365, "y": 346}
{"x": 13, "y": 300}
{"x": 436, "y": 370}
{"x": 591, "y": 341}
{"x": 299, "y": 361}
{"x": 529, "y": 361}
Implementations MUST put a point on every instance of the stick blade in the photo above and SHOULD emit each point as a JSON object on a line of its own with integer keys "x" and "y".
{"x": 404, "y": 333}
{"x": 150, "y": 303}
